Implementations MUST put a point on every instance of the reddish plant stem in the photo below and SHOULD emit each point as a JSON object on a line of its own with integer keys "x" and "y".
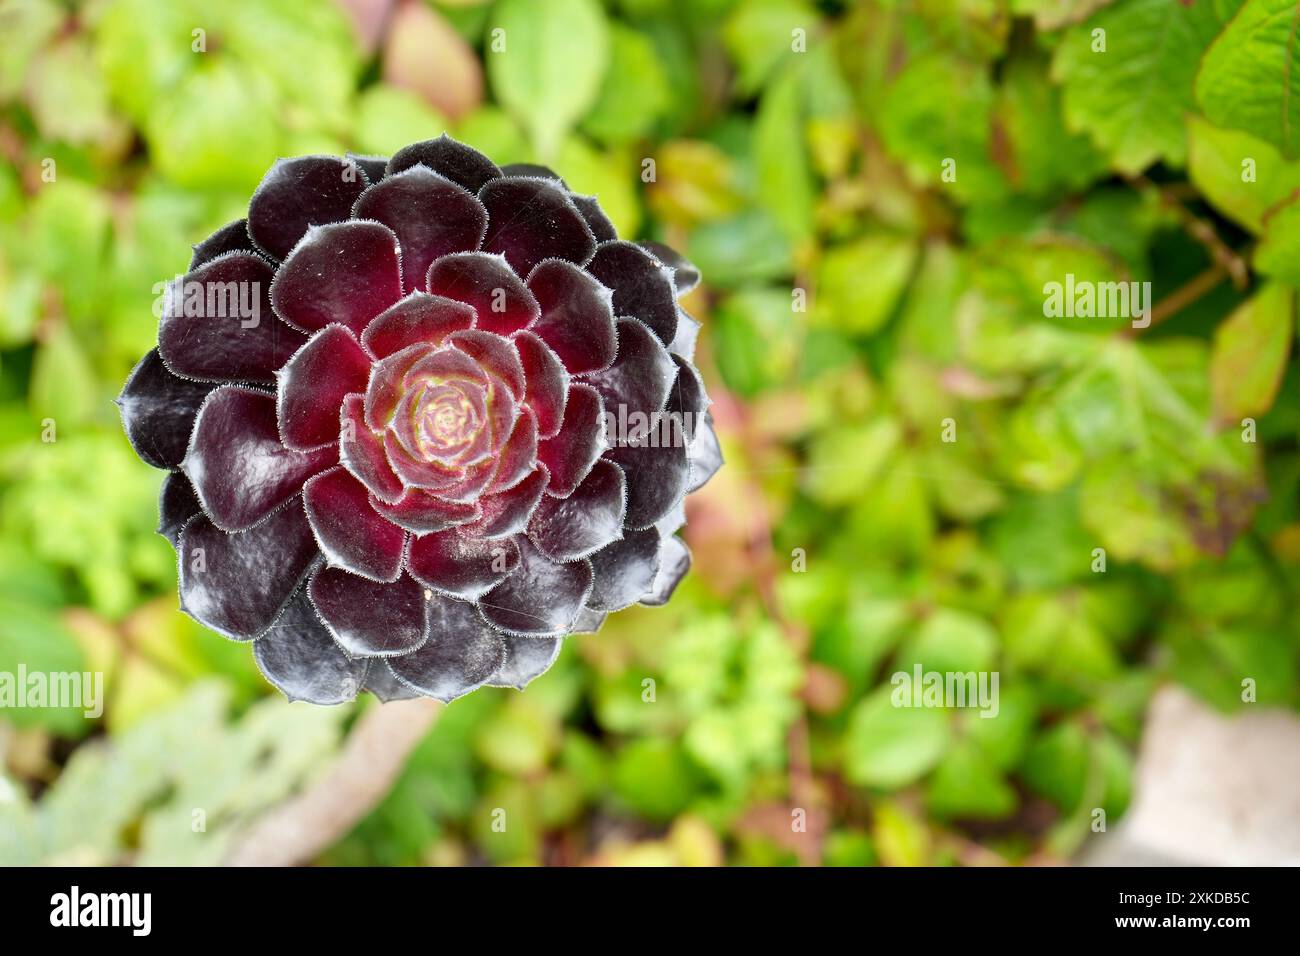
{"x": 372, "y": 757}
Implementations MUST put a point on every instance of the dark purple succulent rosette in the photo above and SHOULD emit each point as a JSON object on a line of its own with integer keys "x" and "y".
{"x": 423, "y": 417}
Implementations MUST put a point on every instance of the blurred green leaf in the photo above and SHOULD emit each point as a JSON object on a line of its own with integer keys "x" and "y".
{"x": 1001, "y": 737}
{"x": 67, "y": 95}
{"x": 937, "y": 120}
{"x": 849, "y": 848}
{"x": 748, "y": 248}
{"x": 785, "y": 180}
{"x": 1040, "y": 539}
{"x": 1056, "y": 765}
{"x": 694, "y": 181}
{"x": 1129, "y": 85}
{"x": 67, "y": 229}
{"x": 184, "y": 780}
{"x": 966, "y": 785}
{"x": 1244, "y": 177}
{"x": 1243, "y": 79}
{"x": 1040, "y": 155}
{"x": 899, "y": 836}
{"x": 844, "y": 460}
{"x": 890, "y": 747}
{"x": 1125, "y": 513}
{"x": 518, "y": 739}
{"x": 550, "y": 70}
{"x": 388, "y": 119}
{"x": 843, "y": 301}
{"x": 1278, "y": 254}
{"x": 856, "y": 642}
{"x": 950, "y": 641}
{"x": 63, "y": 386}
{"x": 28, "y": 25}
{"x": 1250, "y": 353}
{"x": 34, "y": 644}
{"x": 145, "y": 49}
{"x": 654, "y": 778}
{"x": 760, "y": 34}
{"x": 756, "y": 332}
{"x": 193, "y": 141}
{"x": 634, "y": 94}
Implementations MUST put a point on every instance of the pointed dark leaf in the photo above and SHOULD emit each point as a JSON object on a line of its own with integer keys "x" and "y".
{"x": 461, "y": 485}
{"x": 577, "y": 320}
{"x": 532, "y": 219}
{"x": 461, "y": 653}
{"x": 158, "y": 410}
{"x": 239, "y": 469}
{"x": 581, "y": 439}
{"x": 431, "y": 215}
{"x": 375, "y": 167}
{"x": 547, "y": 388}
{"x": 238, "y": 583}
{"x": 601, "y": 228}
{"x": 589, "y": 621}
{"x": 177, "y": 504}
{"x": 495, "y": 354}
{"x": 351, "y": 534}
{"x": 500, "y": 299}
{"x": 624, "y": 571}
{"x": 518, "y": 456}
{"x": 674, "y": 562}
{"x": 569, "y": 528}
{"x": 526, "y": 659}
{"x": 229, "y": 238}
{"x": 302, "y": 192}
{"x": 638, "y": 381}
{"x": 346, "y": 272}
{"x": 541, "y": 598}
{"x": 687, "y": 405}
{"x": 688, "y": 330}
{"x": 423, "y": 513}
{"x": 383, "y": 683}
{"x": 370, "y": 618}
{"x": 656, "y": 480}
{"x": 643, "y": 287}
{"x": 299, "y": 657}
{"x": 458, "y": 162}
{"x": 313, "y": 384}
{"x": 362, "y": 453}
{"x": 418, "y": 319}
{"x": 705, "y": 456}
{"x": 508, "y": 512}
{"x": 685, "y": 276}
{"x": 453, "y": 563}
{"x": 218, "y": 325}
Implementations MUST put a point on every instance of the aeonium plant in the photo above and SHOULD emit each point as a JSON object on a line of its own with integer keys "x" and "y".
{"x": 422, "y": 418}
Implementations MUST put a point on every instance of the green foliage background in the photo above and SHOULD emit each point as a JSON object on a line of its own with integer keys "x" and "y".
{"x": 799, "y": 154}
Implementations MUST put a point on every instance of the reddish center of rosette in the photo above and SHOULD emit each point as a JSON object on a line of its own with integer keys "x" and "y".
{"x": 439, "y": 420}
{"x": 440, "y": 410}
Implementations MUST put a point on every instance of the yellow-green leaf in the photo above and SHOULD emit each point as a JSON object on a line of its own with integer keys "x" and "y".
{"x": 1248, "y": 76}
{"x": 1250, "y": 353}
{"x": 1278, "y": 253}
